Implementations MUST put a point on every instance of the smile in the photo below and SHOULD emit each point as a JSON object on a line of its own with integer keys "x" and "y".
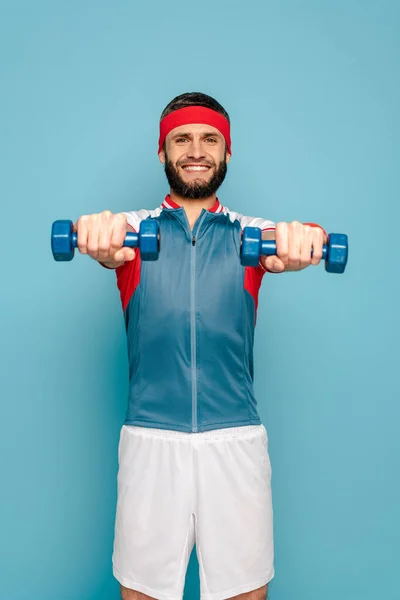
{"x": 196, "y": 168}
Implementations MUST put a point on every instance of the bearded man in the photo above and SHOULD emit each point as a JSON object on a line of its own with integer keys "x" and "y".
{"x": 193, "y": 453}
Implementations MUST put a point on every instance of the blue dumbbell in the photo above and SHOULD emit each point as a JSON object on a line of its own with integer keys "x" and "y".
{"x": 64, "y": 240}
{"x": 334, "y": 253}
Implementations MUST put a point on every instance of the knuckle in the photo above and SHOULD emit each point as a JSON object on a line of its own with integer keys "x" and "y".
{"x": 82, "y": 219}
{"x": 316, "y": 233}
{"x": 116, "y": 243}
{"x": 118, "y": 222}
{"x": 318, "y": 239}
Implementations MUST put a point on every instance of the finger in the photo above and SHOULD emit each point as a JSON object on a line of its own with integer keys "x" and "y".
{"x": 105, "y": 233}
{"x": 274, "y": 264}
{"x": 118, "y": 233}
{"x": 306, "y": 246}
{"x": 93, "y": 236}
{"x": 124, "y": 255}
{"x": 82, "y": 231}
{"x": 282, "y": 242}
{"x": 317, "y": 245}
{"x": 295, "y": 243}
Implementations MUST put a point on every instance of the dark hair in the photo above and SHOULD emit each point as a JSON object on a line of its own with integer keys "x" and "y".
{"x": 194, "y": 99}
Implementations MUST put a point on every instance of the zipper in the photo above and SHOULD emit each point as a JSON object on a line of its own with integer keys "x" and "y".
{"x": 193, "y": 333}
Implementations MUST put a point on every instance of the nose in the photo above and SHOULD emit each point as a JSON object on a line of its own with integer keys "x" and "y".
{"x": 195, "y": 149}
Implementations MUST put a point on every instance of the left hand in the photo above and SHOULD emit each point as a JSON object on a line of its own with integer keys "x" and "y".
{"x": 294, "y": 243}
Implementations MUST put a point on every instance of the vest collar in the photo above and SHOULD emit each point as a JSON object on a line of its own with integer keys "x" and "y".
{"x": 171, "y": 205}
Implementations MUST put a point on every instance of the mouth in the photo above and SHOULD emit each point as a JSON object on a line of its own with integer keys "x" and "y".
{"x": 196, "y": 168}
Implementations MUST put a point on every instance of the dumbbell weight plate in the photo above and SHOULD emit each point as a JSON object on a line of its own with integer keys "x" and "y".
{"x": 61, "y": 240}
{"x": 251, "y": 246}
{"x": 149, "y": 239}
{"x": 338, "y": 253}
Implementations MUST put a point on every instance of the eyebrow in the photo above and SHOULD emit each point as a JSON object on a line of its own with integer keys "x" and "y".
{"x": 188, "y": 135}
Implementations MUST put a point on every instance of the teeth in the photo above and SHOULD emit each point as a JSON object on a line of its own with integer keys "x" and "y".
{"x": 196, "y": 168}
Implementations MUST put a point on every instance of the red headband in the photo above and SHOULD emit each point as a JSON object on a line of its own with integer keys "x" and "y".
{"x": 195, "y": 114}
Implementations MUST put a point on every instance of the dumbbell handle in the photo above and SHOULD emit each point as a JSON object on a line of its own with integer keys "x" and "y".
{"x": 268, "y": 248}
{"x": 131, "y": 240}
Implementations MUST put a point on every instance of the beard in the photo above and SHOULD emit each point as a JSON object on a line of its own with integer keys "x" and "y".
{"x": 195, "y": 190}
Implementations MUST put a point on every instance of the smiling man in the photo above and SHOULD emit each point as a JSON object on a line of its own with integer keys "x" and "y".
{"x": 193, "y": 453}
{"x": 199, "y": 176}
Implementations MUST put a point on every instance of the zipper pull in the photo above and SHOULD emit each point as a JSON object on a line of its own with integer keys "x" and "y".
{"x": 193, "y": 241}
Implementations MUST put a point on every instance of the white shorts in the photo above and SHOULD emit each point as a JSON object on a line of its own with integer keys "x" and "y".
{"x": 176, "y": 489}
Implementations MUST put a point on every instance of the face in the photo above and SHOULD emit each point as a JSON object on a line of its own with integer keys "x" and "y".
{"x": 195, "y": 160}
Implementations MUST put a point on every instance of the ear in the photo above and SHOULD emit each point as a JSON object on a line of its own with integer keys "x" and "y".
{"x": 161, "y": 156}
{"x": 227, "y": 157}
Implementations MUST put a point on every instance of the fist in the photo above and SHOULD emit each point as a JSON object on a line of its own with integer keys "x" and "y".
{"x": 102, "y": 235}
{"x": 294, "y": 244}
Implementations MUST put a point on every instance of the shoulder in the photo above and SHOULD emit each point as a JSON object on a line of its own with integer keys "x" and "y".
{"x": 247, "y": 221}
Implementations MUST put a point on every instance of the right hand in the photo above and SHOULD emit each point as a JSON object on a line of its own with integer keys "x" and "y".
{"x": 102, "y": 235}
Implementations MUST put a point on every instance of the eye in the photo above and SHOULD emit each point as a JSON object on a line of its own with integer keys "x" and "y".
{"x": 180, "y": 140}
{"x": 211, "y": 140}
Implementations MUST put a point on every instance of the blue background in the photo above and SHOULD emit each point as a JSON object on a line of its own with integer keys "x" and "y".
{"x": 312, "y": 88}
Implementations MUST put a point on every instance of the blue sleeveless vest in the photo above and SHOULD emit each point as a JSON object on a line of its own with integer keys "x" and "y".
{"x": 190, "y": 319}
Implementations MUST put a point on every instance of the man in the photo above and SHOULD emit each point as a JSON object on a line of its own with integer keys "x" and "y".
{"x": 193, "y": 457}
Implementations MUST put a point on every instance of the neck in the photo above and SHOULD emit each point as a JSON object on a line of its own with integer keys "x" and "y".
{"x": 193, "y": 207}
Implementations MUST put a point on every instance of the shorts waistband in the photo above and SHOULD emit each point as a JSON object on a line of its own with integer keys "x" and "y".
{"x": 227, "y": 432}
